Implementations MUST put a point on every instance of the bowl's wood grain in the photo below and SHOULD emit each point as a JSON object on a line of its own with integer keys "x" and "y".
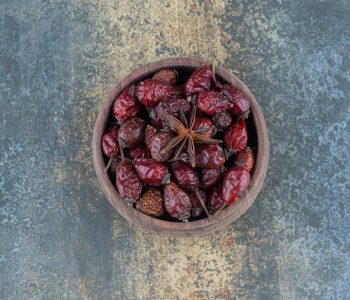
{"x": 177, "y": 229}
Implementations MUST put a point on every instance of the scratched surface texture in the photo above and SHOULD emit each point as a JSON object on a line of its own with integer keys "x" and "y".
{"x": 60, "y": 238}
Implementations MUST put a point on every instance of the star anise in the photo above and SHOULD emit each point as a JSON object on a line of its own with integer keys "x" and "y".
{"x": 185, "y": 133}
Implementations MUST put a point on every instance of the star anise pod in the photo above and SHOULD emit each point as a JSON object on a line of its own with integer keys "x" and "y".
{"x": 186, "y": 134}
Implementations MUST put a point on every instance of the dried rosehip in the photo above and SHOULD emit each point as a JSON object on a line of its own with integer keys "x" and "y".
{"x": 215, "y": 200}
{"x": 235, "y": 182}
{"x": 236, "y": 136}
{"x": 171, "y": 106}
{"x": 127, "y": 182}
{"x": 186, "y": 176}
{"x": 245, "y": 159}
{"x": 209, "y": 156}
{"x": 110, "y": 144}
{"x": 150, "y": 92}
{"x": 125, "y": 106}
{"x": 210, "y": 177}
{"x": 199, "y": 81}
{"x": 237, "y": 98}
{"x": 151, "y": 203}
{"x": 131, "y": 132}
{"x": 197, "y": 208}
{"x": 222, "y": 120}
{"x": 151, "y": 172}
{"x": 139, "y": 151}
{"x": 166, "y": 76}
{"x": 205, "y": 124}
{"x": 176, "y": 201}
{"x": 211, "y": 102}
{"x": 155, "y": 142}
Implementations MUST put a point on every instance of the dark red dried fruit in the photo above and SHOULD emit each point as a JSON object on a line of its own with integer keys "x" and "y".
{"x": 171, "y": 106}
{"x": 166, "y": 76}
{"x": 235, "y": 182}
{"x": 215, "y": 200}
{"x": 150, "y": 92}
{"x": 151, "y": 203}
{"x": 131, "y": 132}
{"x": 186, "y": 176}
{"x": 211, "y": 103}
{"x": 110, "y": 144}
{"x": 139, "y": 151}
{"x": 199, "y": 81}
{"x": 176, "y": 201}
{"x": 209, "y": 156}
{"x": 245, "y": 159}
{"x": 205, "y": 123}
{"x": 151, "y": 172}
{"x": 222, "y": 120}
{"x": 127, "y": 182}
{"x": 237, "y": 98}
{"x": 155, "y": 142}
{"x": 210, "y": 177}
{"x": 125, "y": 106}
{"x": 197, "y": 207}
{"x": 236, "y": 136}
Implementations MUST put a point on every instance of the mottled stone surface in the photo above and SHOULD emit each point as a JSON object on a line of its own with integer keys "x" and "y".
{"x": 60, "y": 238}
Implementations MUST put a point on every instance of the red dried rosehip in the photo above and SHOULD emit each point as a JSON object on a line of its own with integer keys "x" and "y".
{"x": 211, "y": 103}
{"x": 166, "y": 76}
{"x": 110, "y": 144}
{"x": 197, "y": 208}
{"x": 204, "y": 123}
{"x": 151, "y": 172}
{"x": 131, "y": 132}
{"x": 210, "y": 177}
{"x": 156, "y": 141}
{"x": 235, "y": 182}
{"x": 176, "y": 201}
{"x": 209, "y": 156}
{"x": 150, "y": 92}
{"x": 186, "y": 176}
{"x": 151, "y": 203}
{"x": 236, "y": 136}
{"x": 171, "y": 106}
{"x": 237, "y": 98}
{"x": 245, "y": 159}
{"x": 127, "y": 182}
{"x": 222, "y": 120}
{"x": 199, "y": 81}
{"x": 125, "y": 106}
{"x": 139, "y": 151}
{"x": 215, "y": 200}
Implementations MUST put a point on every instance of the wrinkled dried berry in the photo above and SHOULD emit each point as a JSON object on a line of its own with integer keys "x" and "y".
{"x": 131, "y": 132}
{"x": 166, "y": 76}
{"x": 151, "y": 203}
{"x": 205, "y": 123}
{"x": 125, "y": 106}
{"x": 156, "y": 141}
{"x": 171, "y": 106}
{"x": 151, "y": 172}
{"x": 139, "y": 151}
{"x": 210, "y": 177}
{"x": 186, "y": 176}
{"x": 237, "y": 98}
{"x": 235, "y": 182}
{"x": 199, "y": 81}
{"x": 209, "y": 156}
{"x": 176, "y": 201}
{"x": 127, "y": 182}
{"x": 211, "y": 103}
{"x": 150, "y": 92}
{"x": 245, "y": 159}
{"x": 222, "y": 120}
{"x": 215, "y": 200}
{"x": 197, "y": 208}
{"x": 236, "y": 136}
{"x": 110, "y": 144}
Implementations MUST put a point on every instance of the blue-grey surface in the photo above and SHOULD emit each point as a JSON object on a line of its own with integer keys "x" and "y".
{"x": 60, "y": 238}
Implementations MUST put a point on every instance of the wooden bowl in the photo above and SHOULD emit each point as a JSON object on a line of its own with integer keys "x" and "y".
{"x": 200, "y": 227}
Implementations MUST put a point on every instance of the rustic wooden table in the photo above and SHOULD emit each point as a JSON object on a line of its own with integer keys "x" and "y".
{"x": 61, "y": 239}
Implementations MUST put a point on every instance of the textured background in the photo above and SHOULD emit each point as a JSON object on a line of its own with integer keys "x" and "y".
{"x": 61, "y": 239}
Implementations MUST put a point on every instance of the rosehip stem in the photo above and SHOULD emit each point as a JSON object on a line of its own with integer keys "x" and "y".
{"x": 202, "y": 203}
{"x": 109, "y": 162}
{"x": 217, "y": 213}
{"x": 121, "y": 151}
{"x": 213, "y": 68}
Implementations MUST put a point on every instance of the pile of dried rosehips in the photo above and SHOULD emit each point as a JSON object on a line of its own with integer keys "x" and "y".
{"x": 177, "y": 145}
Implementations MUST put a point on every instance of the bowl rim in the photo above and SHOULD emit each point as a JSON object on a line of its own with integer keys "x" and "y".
{"x": 178, "y": 229}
